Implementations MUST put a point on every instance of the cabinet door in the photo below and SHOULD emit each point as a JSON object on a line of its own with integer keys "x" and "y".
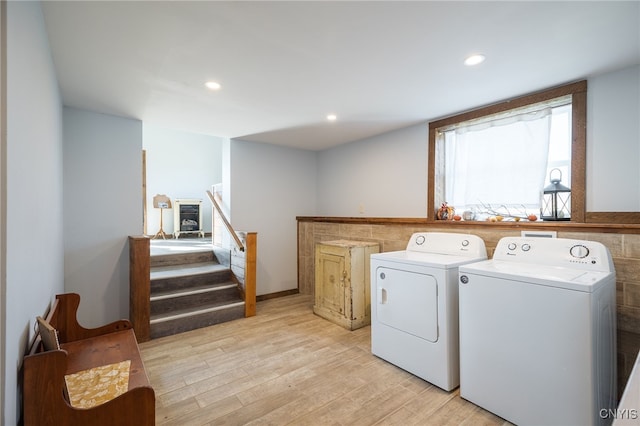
{"x": 331, "y": 274}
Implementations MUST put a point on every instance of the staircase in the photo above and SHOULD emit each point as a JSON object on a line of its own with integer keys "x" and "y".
{"x": 189, "y": 290}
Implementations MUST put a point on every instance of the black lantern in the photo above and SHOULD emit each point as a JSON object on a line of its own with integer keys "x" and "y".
{"x": 556, "y": 199}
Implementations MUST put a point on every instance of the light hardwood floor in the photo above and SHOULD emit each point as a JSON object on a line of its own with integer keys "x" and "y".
{"x": 289, "y": 366}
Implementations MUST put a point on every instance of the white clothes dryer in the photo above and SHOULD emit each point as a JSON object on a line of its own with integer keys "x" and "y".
{"x": 414, "y": 304}
{"x": 538, "y": 332}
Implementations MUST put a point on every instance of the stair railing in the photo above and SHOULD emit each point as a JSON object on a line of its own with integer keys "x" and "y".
{"x": 226, "y": 223}
{"x": 242, "y": 259}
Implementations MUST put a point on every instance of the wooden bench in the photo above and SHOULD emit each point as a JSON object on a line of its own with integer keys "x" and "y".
{"x": 44, "y": 390}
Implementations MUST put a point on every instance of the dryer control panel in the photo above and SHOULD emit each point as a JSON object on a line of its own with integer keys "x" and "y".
{"x": 579, "y": 254}
{"x": 447, "y": 243}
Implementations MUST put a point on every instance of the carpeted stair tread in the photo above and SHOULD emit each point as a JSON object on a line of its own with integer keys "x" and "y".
{"x": 175, "y": 271}
{"x": 202, "y": 289}
{"x": 191, "y": 312}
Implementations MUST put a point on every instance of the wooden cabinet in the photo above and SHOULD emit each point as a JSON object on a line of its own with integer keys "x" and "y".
{"x": 342, "y": 286}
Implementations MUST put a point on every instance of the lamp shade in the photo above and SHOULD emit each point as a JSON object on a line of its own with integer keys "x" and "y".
{"x": 161, "y": 201}
{"x": 556, "y": 199}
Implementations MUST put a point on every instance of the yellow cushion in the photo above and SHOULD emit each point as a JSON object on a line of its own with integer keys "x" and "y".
{"x": 97, "y": 385}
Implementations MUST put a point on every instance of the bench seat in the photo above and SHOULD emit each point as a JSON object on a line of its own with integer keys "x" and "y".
{"x": 82, "y": 349}
{"x": 107, "y": 349}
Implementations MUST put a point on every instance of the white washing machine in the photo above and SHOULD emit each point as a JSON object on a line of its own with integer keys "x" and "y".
{"x": 414, "y": 304}
{"x": 538, "y": 332}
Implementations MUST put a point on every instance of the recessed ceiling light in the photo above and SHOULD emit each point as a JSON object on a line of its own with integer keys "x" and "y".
{"x": 474, "y": 60}
{"x": 332, "y": 117}
{"x": 213, "y": 85}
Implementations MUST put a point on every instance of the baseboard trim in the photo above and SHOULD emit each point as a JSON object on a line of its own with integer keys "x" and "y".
{"x": 262, "y": 297}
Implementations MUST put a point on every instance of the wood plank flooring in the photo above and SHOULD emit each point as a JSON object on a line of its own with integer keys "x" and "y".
{"x": 289, "y": 366}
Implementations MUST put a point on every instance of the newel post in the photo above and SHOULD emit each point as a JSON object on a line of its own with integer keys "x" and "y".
{"x": 140, "y": 286}
{"x": 251, "y": 248}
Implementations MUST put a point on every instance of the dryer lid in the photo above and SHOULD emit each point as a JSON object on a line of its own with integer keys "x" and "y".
{"x": 428, "y": 260}
{"x": 454, "y": 244}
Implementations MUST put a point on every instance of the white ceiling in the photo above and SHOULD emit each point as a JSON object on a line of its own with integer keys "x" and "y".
{"x": 284, "y": 66}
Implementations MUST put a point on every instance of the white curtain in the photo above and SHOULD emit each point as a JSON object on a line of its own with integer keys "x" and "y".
{"x": 498, "y": 162}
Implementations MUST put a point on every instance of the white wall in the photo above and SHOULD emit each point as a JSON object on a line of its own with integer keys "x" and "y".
{"x": 383, "y": 176}
{"x": 387, "y": 174}
{"x": 103, "y": 206}
{"x": 33, "y": 200}
{"x": 180, "y": 165}
{"x": 613, "y": 141}
{"x": 270, "y": 186}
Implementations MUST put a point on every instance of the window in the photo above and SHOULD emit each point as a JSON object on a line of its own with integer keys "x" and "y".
{"x": 497, "y": 159}
{"x": 499, "y": 164}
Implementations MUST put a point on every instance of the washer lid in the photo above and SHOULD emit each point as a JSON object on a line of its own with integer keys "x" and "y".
{"x": 552, "y": 276}
{"x": 431, "y": 260}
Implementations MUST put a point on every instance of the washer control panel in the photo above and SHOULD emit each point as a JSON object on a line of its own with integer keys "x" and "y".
{"x": 590, "y": 255}
{"x": 447, "y": 243}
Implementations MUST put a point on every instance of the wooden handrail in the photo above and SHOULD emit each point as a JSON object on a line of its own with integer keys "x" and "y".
{"x": 242, "y": 265}
{"x": 225, "y": 221}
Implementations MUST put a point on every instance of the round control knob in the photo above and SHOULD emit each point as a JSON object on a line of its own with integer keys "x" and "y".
{"x": 579, "y": 251}
{"x": 526, "y": 247}
{"x": 420, "y": 240}
{"x": 465, "y": 243}
{"x": 512, "y": 246}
